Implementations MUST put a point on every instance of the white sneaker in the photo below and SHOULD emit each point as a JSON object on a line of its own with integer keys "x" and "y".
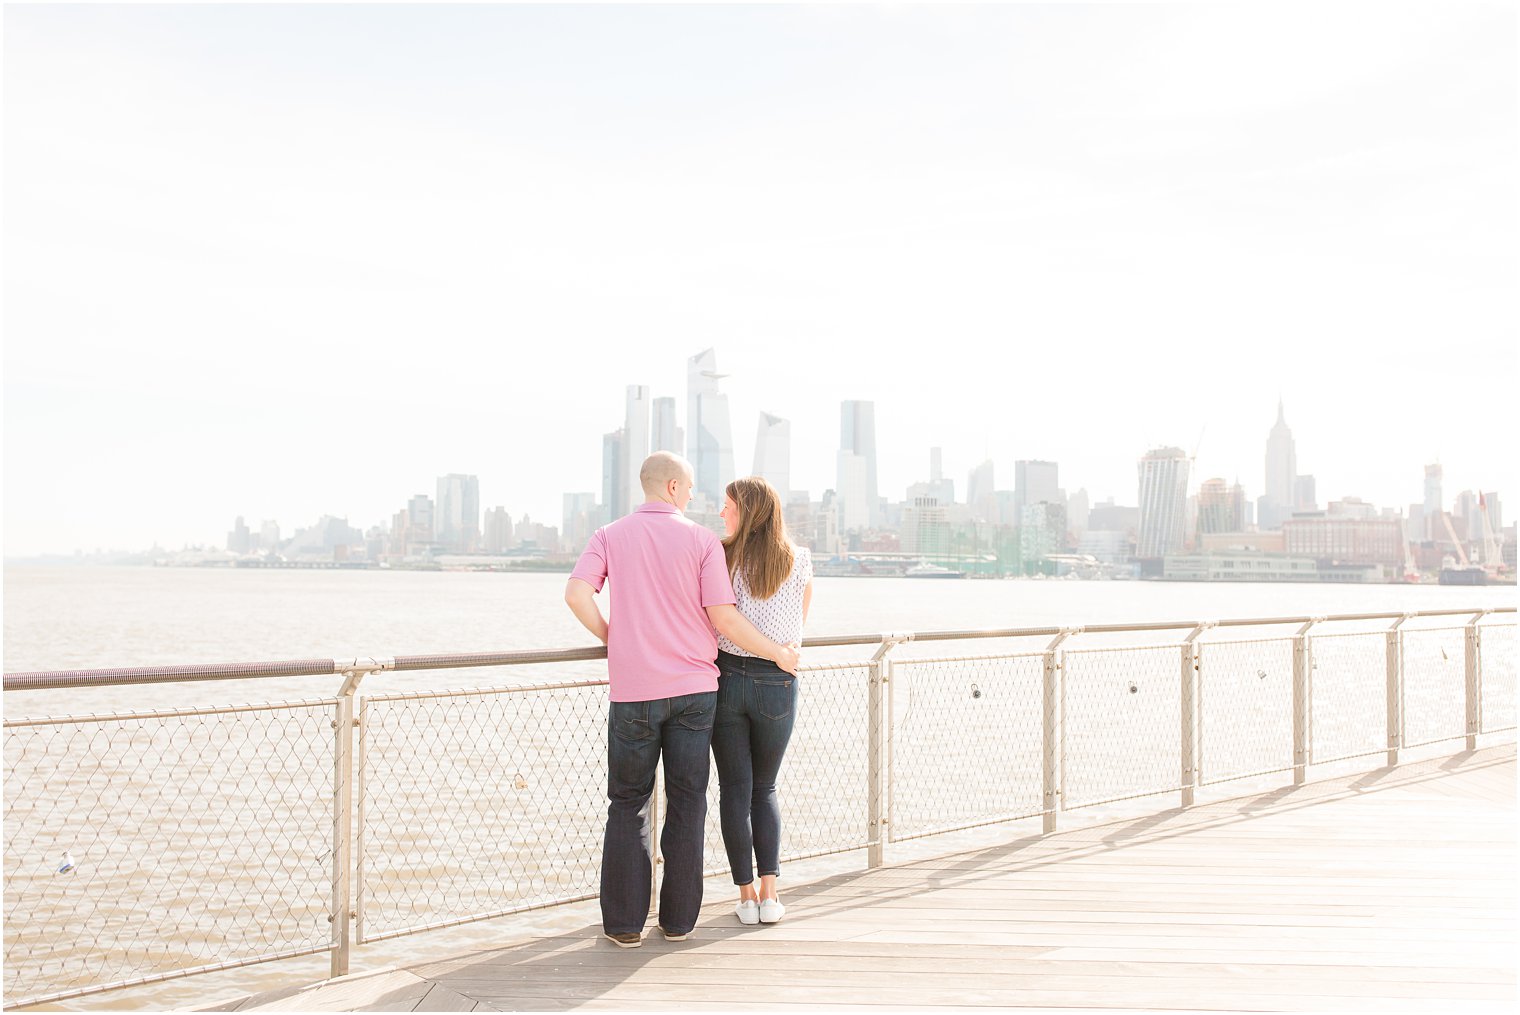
{"x": 771, "y": 911}
{"x": 748, "y": 912}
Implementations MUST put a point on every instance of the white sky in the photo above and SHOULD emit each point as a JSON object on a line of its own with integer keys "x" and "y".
{"x": 286, "y": 261}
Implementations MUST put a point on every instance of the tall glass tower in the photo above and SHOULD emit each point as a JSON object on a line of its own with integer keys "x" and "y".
{"x": 709, "y": 439}
{"x": 857, "y": 436}
{"x": 773, "y": 453}
{"x": 1163, "y": 503}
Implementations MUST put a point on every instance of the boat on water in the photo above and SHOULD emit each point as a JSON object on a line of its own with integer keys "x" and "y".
{"x": 924, "y": 569}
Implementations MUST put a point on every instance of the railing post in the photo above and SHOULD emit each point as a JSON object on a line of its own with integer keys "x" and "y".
{"x": 1191, "y": 659}
{"x": 1303, "y": 719}
{"x": 1052, "y": 732}
{"x": 878, "y": 771}
{"x": 1395, "y": 656}
{"x": 343, "y": 804}
{"x": 1474, "y": 669}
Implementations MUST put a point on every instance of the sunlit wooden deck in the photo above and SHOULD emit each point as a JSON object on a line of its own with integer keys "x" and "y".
{"x": 1390, "y": 891}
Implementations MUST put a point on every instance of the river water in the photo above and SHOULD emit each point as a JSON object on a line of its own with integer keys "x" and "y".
{"x": 72, "y": 617}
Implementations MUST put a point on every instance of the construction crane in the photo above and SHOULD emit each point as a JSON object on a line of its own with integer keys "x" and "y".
{"x": 1451, "y": 534}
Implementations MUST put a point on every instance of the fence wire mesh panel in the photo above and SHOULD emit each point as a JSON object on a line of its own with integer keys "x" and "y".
{"x": 967, "y": 745}
{"x": 822, "y": 787}
{"x": 1348, "y": 688}
{"x": 1245, "y": 709}
{"x": 1121, "y": 734}
{"x": 1434, "y": 666}
{"x": 1497, "y": 661}
{"x": 140, "y": 846}
{"x": 477, "y": 803}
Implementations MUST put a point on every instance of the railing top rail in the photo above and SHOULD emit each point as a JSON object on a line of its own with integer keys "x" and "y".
{"x": 52, "y": 679}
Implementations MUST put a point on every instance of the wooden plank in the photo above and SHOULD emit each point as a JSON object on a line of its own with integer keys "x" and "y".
{"x": 442, "y": 998}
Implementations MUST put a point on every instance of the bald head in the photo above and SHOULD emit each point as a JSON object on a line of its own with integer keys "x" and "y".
{"x": 659, "y": 469}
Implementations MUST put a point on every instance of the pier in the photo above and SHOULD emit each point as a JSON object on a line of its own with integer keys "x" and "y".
{"x": 1389, "y": 891}
{"x": 1283, "y": 813}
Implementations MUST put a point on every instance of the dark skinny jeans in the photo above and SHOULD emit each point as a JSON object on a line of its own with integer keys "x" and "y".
{"x": 757, "y": 705}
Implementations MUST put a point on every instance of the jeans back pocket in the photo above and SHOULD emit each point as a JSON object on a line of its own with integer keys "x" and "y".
{"x": 775, "y": 698}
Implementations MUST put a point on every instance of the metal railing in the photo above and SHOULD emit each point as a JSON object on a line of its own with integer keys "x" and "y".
{"x": 144, "y": 846}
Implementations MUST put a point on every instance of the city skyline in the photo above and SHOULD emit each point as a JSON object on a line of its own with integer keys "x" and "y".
{"x": 1067, "y": 234}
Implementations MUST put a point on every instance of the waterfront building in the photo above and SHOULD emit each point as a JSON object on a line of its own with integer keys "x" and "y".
{"x": 857, "y": 436}
{"x": 239, "y": 540}
{"x": 981, "y": 499}
{"x": 1163, "y": 503}
{"x": 614, "y": 478}
{"x": 1239, "y": 567}
{"x": 456, "y": 521}
{"x": 1111, "y": 517}
{"x": 1277, "y": 502}
{"x": 269, "y": 535}
{"x": 773, "y": 453}
{"x": 1042, "y": 531}
{"x": 419, "y": 525}
{"x": 925, "y": 528}
{"x": 852, "y": 491}
{"x": 533, "y": 536}
{"x": 1107, "y": 545}
{"x": 1221, "y": 508}
{"x": 1345, "y": 540}
{"x": 498, "y": 530}
{"x": 579, "y": 520}
{"x": 1414, "y": 524}
{"x": 664, "y": 435}
{"x": 1076, "y": 513}
{"x": 635, "y": 442}
{"x": 1035, "y": 481}
{"x": 709, "y": 440}
{"x": 1433, "y": 505}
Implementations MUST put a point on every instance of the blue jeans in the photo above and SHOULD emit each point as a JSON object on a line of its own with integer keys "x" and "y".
{"x": 757, "y": 705}
{"x": 638, "y": 732}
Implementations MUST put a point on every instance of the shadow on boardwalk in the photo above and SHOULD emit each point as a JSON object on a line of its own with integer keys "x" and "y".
{"x": 1391, "y": 890}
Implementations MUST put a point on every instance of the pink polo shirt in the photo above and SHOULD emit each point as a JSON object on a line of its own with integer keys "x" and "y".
{"x": 667, "y": 569}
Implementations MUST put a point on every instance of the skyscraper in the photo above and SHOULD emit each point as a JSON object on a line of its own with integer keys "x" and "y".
{"x": 850, "y": 489}
{"x": 1163, "y": 503}
{"x": 456, "y": 520}
{"x": 1035, "y": 482}
{"x": 1221, "y": 508}
{"x": 773, "y": 453}
{"x": 1433, "y": 508}
{"x": 664, "y": 435}
{"x": 635, "y": 442}
{"x": 498, "y": 530}
{"x": 709, "y": 440}
{"x": 614, "y": 477}
{"x": 1282, "y": 471}
{"x": 579, "y": 520}
{"x": 980, "y": 496}
{"x": 857, "y": 436}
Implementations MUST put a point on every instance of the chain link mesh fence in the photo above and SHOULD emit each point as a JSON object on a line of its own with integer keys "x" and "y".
{"x": 1434, "y": 665}
{"x": 1348, "y": 688}
{"x": 1245, "y": 708}
{"x": 1122, "y": 731}
{"x": 966, "y": 742}
{"x": 823, "y": 787}
{"x": 1497, "y": 662}
{"x": 140, "y": 845}
{"x": 478, "y": 803}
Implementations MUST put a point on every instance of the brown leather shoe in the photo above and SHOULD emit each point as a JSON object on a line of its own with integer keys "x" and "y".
{"x": 625, "y": 940}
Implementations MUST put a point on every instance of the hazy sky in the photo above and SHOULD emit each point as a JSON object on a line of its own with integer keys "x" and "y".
{"x": 281, "y": 261}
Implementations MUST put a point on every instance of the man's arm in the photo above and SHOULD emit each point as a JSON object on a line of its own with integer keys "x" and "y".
{"x": 732, "y": 625}
{"x": 581, "y": 598}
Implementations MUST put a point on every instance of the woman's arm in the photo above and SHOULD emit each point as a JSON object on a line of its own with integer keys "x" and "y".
{"x": 807, "y": 599}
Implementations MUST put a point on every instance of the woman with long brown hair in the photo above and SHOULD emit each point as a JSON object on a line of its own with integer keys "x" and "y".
{"x": 757, "y": 700}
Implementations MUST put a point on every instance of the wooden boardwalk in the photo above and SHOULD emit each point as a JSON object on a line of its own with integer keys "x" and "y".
{"x": 1389, "y": 891}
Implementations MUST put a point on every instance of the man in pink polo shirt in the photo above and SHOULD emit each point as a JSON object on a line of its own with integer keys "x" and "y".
{"x": 673, "y": 596}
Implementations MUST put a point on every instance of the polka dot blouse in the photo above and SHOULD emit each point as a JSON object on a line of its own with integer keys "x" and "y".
{"x": 779, "y": 618}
